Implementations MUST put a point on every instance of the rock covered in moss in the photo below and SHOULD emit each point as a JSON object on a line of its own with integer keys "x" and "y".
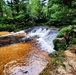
{"x": 63, "y": 38}
{"x": 65, "y": 30}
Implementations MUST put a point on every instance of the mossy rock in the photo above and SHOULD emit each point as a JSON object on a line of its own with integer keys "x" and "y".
{"x": 64, "y": 30}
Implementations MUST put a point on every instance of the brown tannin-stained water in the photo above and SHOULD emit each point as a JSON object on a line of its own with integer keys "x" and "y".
{"x": 31, "y": 63}
{"x": 20, "y": 57}
{"x": 4, "y": 32}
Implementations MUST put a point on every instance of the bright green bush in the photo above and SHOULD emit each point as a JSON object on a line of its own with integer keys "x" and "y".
{"x": 65, "y": 29}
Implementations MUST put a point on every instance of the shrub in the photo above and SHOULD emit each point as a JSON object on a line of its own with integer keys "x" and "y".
{"x": 7, "y": 27}
{"x": 0, "y": 25}
{"x": 11, "y": 28}
{"x": 73, "y": 41}
{"x": 65, "y": 29}
{"x": 74, "y": 21}
{"x": 60, "y": 44}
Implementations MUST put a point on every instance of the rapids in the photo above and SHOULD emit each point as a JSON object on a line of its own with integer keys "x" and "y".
{"x": 44, "y": 37}
{"x": 26, "y": 58}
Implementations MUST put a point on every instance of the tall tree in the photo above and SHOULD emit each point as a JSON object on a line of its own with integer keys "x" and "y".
{"x": 34, "y": 8}
{"x": 11, "y": 5}
{"x": 61, "y": 11}
{"x": 1, "y": 7}
{"x": 16, "y": 5}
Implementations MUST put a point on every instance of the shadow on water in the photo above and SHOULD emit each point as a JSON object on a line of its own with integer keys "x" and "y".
{"x": 4, "y": 41}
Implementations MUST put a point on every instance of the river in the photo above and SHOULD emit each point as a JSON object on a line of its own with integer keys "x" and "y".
{"x": 20, "y": 57}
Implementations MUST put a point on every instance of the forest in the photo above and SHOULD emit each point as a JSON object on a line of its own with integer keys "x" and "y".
{"x": 19, "y": 14}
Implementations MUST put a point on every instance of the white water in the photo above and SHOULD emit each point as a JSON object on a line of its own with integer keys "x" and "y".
{"x": 36, "y": 60}
{"x": 44, "y": 36}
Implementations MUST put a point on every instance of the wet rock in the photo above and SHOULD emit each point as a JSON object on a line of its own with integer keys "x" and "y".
{"x": 25, "y": 72}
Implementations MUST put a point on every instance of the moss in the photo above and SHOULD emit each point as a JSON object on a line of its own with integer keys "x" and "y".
{"x": 65, "y": 29}
{"x": 63, "y": 38}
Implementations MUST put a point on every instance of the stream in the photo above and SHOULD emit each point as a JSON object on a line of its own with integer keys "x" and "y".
{"x": 20, "y": 57}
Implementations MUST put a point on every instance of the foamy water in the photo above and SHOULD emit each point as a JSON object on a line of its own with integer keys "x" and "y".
{"x": 28, "y": 59}
{"x": 44, "y": 36}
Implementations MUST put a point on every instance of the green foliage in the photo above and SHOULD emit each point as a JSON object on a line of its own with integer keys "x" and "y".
{"x": 55, "y": 54}
{"x": 1, "y": 7}
{"x": 61, "y": 12}
{"x": 64, "y": 30}
{"x": 73, "y": 41}
{"x": 19, "y": 16}
{"x": 7, "y": 27}
{"x": 58, "y": 12}
{"x": 62, "y": 59}
{"x": 34, "y": 9}
{"x": 74, "y": 21}
{"x": 26, "y": 13}
{"x": 55, "y": 41}
{"x": 59, "y": 58}
{"x": 0, "y": 25}
{"x": 60, "y": 45}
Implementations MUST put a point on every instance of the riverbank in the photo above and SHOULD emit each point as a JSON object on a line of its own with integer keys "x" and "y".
{"x": 63, "y": 62}
{"x": 65, "y": 65}
{"x": 21, "y": 57}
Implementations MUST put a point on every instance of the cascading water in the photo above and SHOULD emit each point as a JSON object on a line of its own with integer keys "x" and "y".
{"x": 25, "y": 58}
{"x": 44, "y": 36}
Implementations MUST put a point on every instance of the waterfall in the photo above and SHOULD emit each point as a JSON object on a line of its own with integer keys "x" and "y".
{"x": 30, "y": 60}
{"x": 44, "y": 36}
